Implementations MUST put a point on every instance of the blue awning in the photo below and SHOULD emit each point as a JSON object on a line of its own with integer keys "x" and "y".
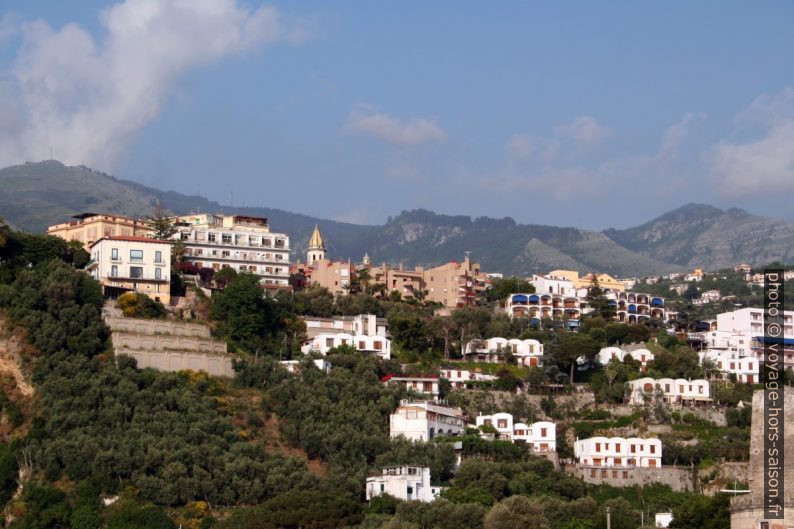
{"x": 519, "y": 298}
{"x": 657, "y": 302}
{"x": 772, "y": 339}
{"x": 534, "y": 299}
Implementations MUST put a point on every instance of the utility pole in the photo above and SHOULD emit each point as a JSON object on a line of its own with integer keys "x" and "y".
{"x": 609, "y": 518}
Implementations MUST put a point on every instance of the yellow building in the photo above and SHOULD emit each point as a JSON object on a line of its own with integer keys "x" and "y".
{"x": 605, "y": 281}
{"x": 90, "y": 227}
{"x": 454, "y": 284}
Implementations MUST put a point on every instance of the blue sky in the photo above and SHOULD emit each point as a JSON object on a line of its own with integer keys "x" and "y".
{"x": 567, "y": 113}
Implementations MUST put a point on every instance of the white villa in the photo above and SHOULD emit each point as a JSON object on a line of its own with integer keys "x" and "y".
{"x": 366, "y": 324}
{"x": 423, "y": 420}
{"x": 745, "y": 368}
{"x": 293, "y": 366}
{"x": 493, "y": 350}
{"x": 540, "y": 436}
{"x": 132, "y": 264}
{"x": 672, "y": 391}
{"x": 322, "y": 343}
{"x": 460, "y": 377}
{"x": 618, "y": 452}
{"x": 405, "y": 483}
{"x": 418, "y": 383}
{"x": 641, "y": 355}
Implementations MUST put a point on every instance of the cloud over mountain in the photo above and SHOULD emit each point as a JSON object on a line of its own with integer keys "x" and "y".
{"x": 88, "y": 96}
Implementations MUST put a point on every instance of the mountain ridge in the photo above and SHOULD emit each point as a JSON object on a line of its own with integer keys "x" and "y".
{"x": 35, "y": 195}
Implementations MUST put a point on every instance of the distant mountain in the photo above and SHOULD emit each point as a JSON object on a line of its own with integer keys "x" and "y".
{"x": 35, "y": 195}
{"x": 709, "y": 237}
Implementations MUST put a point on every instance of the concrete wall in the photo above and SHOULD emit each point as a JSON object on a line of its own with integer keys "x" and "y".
{"x": 679, "y": 479}
{"x": 216, "y": 365}
{"x": 153, "y": 327}
{"x": 162, "y": 342}
{"x": 748, "y": 510}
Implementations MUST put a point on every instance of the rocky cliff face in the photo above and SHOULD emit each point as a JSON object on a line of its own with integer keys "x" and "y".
{"x": 708, "y": 237}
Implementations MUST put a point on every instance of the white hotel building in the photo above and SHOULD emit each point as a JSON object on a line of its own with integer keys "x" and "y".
{"x": 540, "y": 436}
{"x": 405, "y": 483}
{"x": 423, "y": 420}
{"x": 460, "y": 378}
{"x": 243, "y": 243}
{"x": 618, "y": 452}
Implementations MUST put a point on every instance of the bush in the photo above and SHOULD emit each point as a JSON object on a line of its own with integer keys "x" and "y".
{"x": 137, "y": 305}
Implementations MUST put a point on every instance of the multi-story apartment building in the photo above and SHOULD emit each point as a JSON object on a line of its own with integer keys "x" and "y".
{"x": 618, "y": 452}
{"x": 744, "y": 329}
{"x": 243, "y": 243}
{"x": 423, "y": 420}
{"x": 405, "y": 483}
{"x": 540, "y": 436}
{"x": 555, "y": 297}
{"x": 496, "y": 350}
{"x": 365, "y": 324}
{"x": 604, "y": 281}
{"x": 744, "y": 368}
{"x": 408, "y": 283}
{"x": 672, "y": 391}
{"x": 372, "y": 344}
{"x": 454, "y": 284}
{"x": 641, "y": 355}
{"x": 634, "y": 307}
{"x": 88, "y": 228}
{"x": 461, "y": 378}
{"x": 427, "y": 384}
{"x": 139, "y": 264}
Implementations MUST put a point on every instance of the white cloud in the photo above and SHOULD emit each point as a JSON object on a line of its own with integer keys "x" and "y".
{"x": 676, "y": 133}
{"x": 88, "y": 97}
{"x": 763, "y": 165}
{"x": 391, "y": 129}
{"x": 520, "y": 146}
{"x": 585, "y": 130}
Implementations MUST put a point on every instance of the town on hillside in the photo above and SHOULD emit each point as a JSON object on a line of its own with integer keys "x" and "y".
{"x": 463, "y": 389}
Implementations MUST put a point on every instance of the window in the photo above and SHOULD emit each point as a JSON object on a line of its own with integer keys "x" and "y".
{"x": 625, "y": 474}
{"x": 382, "y": 487}
{"x": 502, "y": 423}
{"x": 184, "y": 236}
{"x": 543, "y": 432}
{"x": 114, "y": 254}
{"x": 226, "y": 239}
{"x": 361, "y": 345}
{"x": 427, "y": 387}
{"x": 158, "y": 273}
{"x": 329, "y": 342}
{"x": 136, "y": 255}
{"x": 598, "y": 447}
{"x": 114, "y": 271}
{"x": 211, "y": 237}
{"x": 653, "y": 449}
{"x": 136, "y": 272}
{"x": 158, "y": 256}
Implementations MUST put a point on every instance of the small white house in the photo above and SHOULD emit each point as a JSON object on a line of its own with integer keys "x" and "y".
{"x": 618, "y": 452}
{"x": 540, "y": 436}
{"x": 132, "y": 264}
{"x": 423, "y": 420}
{"x": 322, "y": 343}
{"x": 745, "y": 368}
{"x": 293, "y": 366}
{"x": 672, "y": 391}
{"x": 460, "y": 377}
{"x": 405, "y": 483}
{"x": 663, "y": 519}
{"x": 495, "y": 350}
{"x": 417, "y": 383}
{"x": 642, "y": 355}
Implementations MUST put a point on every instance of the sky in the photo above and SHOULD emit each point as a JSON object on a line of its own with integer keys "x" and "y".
{"x": 576, "y": 113}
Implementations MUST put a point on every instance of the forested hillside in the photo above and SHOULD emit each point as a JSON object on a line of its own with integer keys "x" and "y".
{"x": 103, "y": 444}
